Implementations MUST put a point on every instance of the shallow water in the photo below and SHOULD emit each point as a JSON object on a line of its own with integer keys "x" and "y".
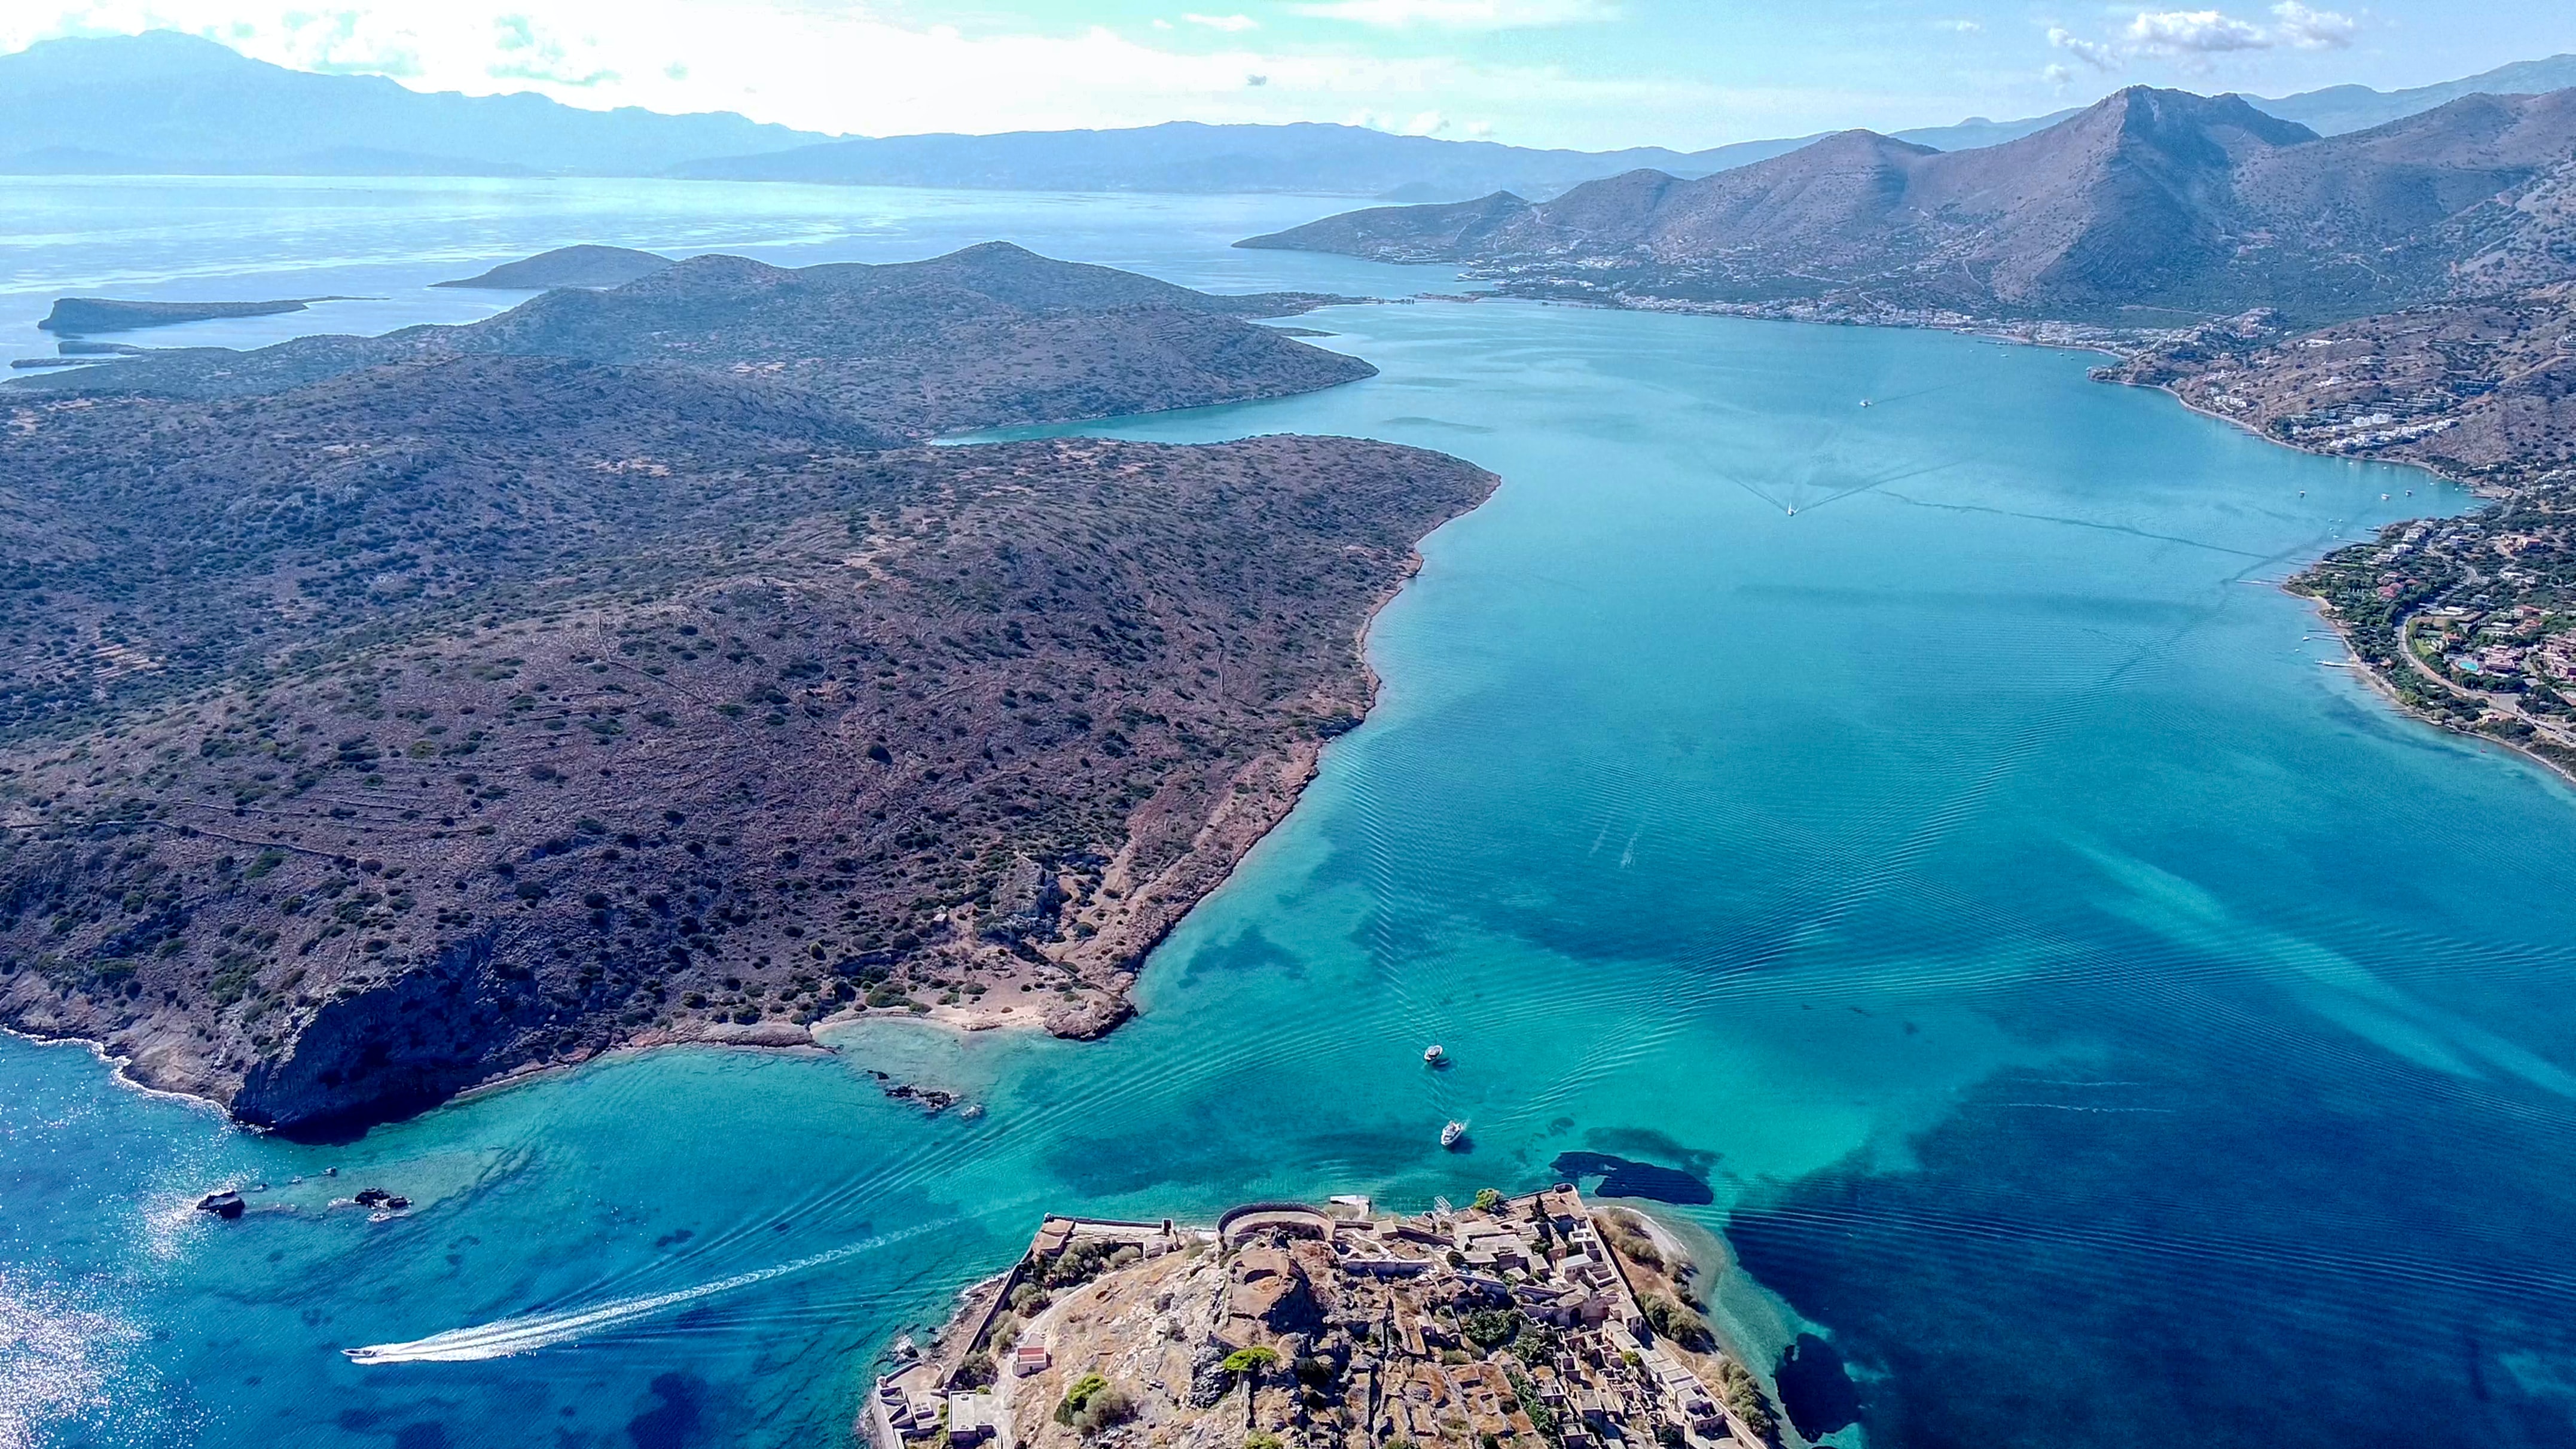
{"x": 2100, "y": 1022}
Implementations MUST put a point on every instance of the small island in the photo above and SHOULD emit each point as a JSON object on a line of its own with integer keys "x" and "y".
{"x": 1517, "y": 1321}
{"x": 574, "y": 266}
{"x": 84, "y": 315}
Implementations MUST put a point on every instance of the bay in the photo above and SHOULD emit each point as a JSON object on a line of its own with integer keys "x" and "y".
{"x": 2095, "y": 1019}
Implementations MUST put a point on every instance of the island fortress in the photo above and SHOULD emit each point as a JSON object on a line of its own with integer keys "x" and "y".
{"x": 1513, "y": 1324}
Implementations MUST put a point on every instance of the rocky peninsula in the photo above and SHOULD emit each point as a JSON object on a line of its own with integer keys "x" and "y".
{"x": 1523, "y": 1321}
{"x": 83, "y": 316}
{"x": 381, "y": 716}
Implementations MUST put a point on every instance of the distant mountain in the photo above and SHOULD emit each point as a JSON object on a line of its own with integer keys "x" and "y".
{"x": 1977, "y": 132}
{"x": 163, "y": 101}
{"x": 2337, "y": 109}
{"x": 2149, "y": 199}
{"x": 1186, "y": 156}
{"x": 2329, "y": 112}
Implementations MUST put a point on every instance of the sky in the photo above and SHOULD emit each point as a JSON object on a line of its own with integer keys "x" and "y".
{"x": 1595, "y": 74}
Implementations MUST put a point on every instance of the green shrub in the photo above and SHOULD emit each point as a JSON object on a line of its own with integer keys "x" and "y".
{"x": 1537, "y": 1343}
{"x": 1743, "y": 1394}
{"x": 1076, "y": 1265}
{"x": 1673, "y": 1321}
{"x": 1488, "y": 1199}
{"x": 1494, "y": 1327}
{"x": 1078, "y": 1397}
{"x": 1250, "y": 1360}
{"x": 1093, "y": 1404}
{"x": 1628, "y": 1236}
{"x": 1542, "y": 1417}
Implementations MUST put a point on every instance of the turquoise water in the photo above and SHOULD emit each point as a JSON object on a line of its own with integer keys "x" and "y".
{"x": 2099, "y": 1020}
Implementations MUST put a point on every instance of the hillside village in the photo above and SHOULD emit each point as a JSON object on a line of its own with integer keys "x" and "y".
{"x": 1524, "y": 1322}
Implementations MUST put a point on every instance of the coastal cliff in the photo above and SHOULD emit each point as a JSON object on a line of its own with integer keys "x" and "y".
{"x": 461, "y": 710}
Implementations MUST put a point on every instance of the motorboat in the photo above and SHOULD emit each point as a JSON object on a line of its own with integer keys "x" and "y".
{"x": 1454, "y": 1133}
{"x": 1433, "y": 1055}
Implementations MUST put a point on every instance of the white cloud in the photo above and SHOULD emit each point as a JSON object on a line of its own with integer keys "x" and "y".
{"x": 2057, "y": 76}
{"x": 1230, "y": 24}
{"x": 2092, "y": 53}
{"x": 2193, "y": 36}
{"x": 2304, "y": 29}
{"x": 1963, "y": 27}
{"x": 2192, "y": 32}
{"x": 1462, "y": 14}
{"x": 531, "y": 52}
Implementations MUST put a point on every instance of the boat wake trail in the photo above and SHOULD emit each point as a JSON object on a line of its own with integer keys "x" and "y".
{"x": 530, "y": 1332}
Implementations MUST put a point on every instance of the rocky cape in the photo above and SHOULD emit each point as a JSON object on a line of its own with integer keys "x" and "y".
{"x": 382, "y": 716}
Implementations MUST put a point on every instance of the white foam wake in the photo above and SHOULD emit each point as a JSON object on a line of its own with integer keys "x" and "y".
{"x": 508, "y": 1336}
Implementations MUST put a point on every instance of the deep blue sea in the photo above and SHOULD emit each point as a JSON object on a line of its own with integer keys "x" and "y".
{"x": 2097, "y": 1020}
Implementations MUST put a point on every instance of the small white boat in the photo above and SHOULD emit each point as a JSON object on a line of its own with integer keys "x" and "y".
{"x": 1454, "y": 1133}
{"x": 1434, "y": 1055}
{"x": 1864, "y": 402}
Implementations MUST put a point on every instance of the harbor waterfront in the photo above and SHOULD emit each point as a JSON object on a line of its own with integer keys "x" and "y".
{"x": 2074, "y": 1006}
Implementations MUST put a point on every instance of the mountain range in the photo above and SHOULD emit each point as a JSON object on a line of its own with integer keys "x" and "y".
{"x": 165, "y": 102}
{"x": 2148, "y": 202}
{"x": 1185, "y": 156}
